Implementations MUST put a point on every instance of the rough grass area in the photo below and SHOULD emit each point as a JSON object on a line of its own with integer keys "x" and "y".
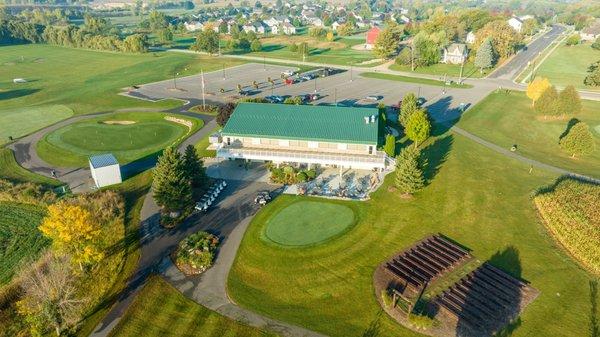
{"x": 11, "y": 170}
{"x": 476, "y": 196}
{"x": 569, "y": 65}
{"x": 19, "y": 237}
{"x": 145, "y": 134}
{"x": 507, "y": 119}
{"x": 400, "y": 78}
{"x": 442, "y": 69}
{"x": 308, "y": 222}
{"x": 571, "y": 212}
{"x": 160, "y": 310}
{"x": 22, "y": 121}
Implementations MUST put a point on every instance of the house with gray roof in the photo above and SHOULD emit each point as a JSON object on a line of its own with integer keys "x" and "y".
{"x": 455, "y": 53}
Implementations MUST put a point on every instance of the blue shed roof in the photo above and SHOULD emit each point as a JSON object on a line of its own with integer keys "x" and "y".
{"x": 103, "y": 160}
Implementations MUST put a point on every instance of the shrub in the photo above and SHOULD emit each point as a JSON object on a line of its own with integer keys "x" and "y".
{"x": 293, "y": 48}
{"x": 196, "y": 253}
{"x": 302, "y": 176}
{"x": 421, "y": 322}
{"x": 596, "y": 44}
{"x": 207, "y": 109}
{"x": 290, "y": 175}
{"x": 27, "y": 193}
{"x": 573, "y": 40}
{"x": 577, "y": 139}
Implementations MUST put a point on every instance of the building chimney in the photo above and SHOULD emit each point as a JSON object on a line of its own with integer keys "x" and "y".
{"x": 372, "y": 118}
{"x": 366, "y": 119}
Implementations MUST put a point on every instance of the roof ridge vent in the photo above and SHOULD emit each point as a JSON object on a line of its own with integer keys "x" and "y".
{"x": 366, "y": 119}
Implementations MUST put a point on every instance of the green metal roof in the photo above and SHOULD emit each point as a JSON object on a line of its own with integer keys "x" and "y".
{"x": 303, "y": 122}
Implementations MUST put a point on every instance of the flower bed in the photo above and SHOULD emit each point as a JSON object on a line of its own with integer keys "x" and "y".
{"x": 196, "y": 253}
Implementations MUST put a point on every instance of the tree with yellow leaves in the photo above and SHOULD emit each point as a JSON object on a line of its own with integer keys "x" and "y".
{"x": 536, "y": 88}
{"x": 73, "y": 231}
{"x": 330, "y": 36}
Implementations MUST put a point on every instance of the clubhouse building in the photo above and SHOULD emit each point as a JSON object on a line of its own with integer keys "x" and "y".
{"x": 308, "y": 135}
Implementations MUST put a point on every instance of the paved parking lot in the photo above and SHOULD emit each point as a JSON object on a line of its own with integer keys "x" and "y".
{"x": 345, "y": 88}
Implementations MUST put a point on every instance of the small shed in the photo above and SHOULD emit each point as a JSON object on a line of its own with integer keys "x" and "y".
{"x": 105, "y": 170}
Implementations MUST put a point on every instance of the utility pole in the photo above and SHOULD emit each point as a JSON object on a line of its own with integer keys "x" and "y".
{"x": 462, "y": 66}
{"x": 350, "y": 72}
{"x": 315, "y": 84}
{"x": 223, "y": 71}
{"x": 412, "y": 58}
{"x": 175, "y": 80}
{"x": 335, "y": 96}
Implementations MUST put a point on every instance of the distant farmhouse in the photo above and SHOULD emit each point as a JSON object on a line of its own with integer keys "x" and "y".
{"x": 303, "y": 134}
{"x": 516, "y": 24}
{"x": 455, "y": 53}
{"x": 591, "y": 32}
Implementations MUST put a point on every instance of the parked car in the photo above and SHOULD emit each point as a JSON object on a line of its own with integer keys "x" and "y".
{"x": 372, "y": 98}
{"x": 289, "y": 72}
{"x": 262, "y": 198}
{"x": 421, "y": 101}
{"x": 274, "y": 99}
{"x": 307, "y": 77}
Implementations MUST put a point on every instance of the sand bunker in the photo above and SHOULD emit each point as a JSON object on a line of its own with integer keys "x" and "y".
{"x": 119, "y": 122}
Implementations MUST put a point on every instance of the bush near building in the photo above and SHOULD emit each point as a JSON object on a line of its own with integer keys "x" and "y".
{"x": 571, "y": 214}
{"x": 196, "y": 253}
{"x": 291, "y": 175}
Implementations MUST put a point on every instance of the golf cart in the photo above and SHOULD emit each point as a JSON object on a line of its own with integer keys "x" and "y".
{"x": 262, "y": 198}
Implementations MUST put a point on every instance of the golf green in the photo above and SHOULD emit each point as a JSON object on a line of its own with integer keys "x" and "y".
{"x": 308, "y": 222}
{"x": 129, "y": 136}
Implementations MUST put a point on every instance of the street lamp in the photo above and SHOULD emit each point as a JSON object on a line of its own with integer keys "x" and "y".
{"x": 316, "y": 84}
{"x": 175, "y": 80}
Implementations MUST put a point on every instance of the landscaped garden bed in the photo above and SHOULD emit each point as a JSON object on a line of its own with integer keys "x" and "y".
{"x": 196, "y": 253}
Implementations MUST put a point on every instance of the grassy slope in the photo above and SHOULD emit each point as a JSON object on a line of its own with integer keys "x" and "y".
{"x": 160, "y": 310}
{"x": 36, "y": 117}
{"x": 507, "y": 119}
{"x": 568, "y": 65}
{"x": 61, "y": 149}
{"x": 88, "y": 81}
{"x": 478, "y": 198}
{"x": 134, "y": 191}
{"x": 11, "y": 170}
{"x": 19, "y": 236}
{"x": 407, "y": 79}
{"x": 441, "y": 69}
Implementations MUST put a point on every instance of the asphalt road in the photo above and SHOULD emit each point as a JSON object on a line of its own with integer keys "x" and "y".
{"x": 513, "y": 67}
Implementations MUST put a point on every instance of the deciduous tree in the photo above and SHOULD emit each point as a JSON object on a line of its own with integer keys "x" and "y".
{"x": 207, "y": 41}
{"x": 536, "y": 88}
{"x": 409, "y": 171}
{"x": 593, "y": 77}
{"x": 569, "y": 101}
{"x": 73, "y": 231}
{"x": 578, "y": 140}
{"x": 418, "y": 127}
{"x": 504, "y": 38}
{"x": 225, "y": 111}
{"x": 255, "y": 45}
{"x": 547, "y": 104}
{"x": 345, "y": 29}
{"x": 388, "y": 41}
{"x": 171, "y": 184}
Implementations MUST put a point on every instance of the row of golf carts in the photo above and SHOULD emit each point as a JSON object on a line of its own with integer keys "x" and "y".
{"x": 211, "y": 194}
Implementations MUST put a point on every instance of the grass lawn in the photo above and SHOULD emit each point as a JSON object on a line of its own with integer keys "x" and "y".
{"x": 441, "y": 69}
{"x": 19, "y": 236}
{"x": 160, "y": 310}
{"x": 477, "y": 197}
{"x": 408, "y": 79}
{"x": 149, "y": 134}
{"x": 507, "y": 119}
{"x": 202, "y": 145}
{"x": 36, "y": 117}
{"x": 308, "y": 222}
{"x": 568, "y": 65}
{"x": 84, "y": 81}
{"x": 11, "y": 170}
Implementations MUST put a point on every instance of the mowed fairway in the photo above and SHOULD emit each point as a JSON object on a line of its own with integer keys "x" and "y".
{"x": 82, "y": 81}
{"x": 569, "y": 65}
{"x": 160, "y": 310}
{"x": 507, "y": 119}
{"x": 308, "y": 222}
{"x": 19, "y": 237}
{"x": 129, "y": 136}
{"x": 478, "y": 198}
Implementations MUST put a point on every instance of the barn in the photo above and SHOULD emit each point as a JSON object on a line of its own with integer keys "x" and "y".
{"x": 372, "y": 35}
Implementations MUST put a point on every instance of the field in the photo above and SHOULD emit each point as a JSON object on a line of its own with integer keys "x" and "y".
{"x": 10, "y": 170}
{"x": 36, "y": 117}
{"x": 477, "y": 197}
{"x": 148, "y": 134}
{"x": 407, "y": 79}
{"x": 570, "y": 212}
{"x": 507, "y": 119}
{"x": 568, "y": 65}
{"x": 83, "y": 81}
{"x": 308, "y": 223}
{"x": 442, "y": 69}
{"x": 19, "y": 237}
{"x": 160, "y": 310}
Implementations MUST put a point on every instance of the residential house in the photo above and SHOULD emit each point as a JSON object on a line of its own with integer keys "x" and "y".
{"x": 591, "y": 33}
{"x": 372, "y": 35}
{"x": 455, "y": 53}
{"x": 516, "y": 24}
{"x": 328, "y": 136}
{"x": 288, "y": 29}
{"x": 471, "y": 37}
{"x": 335, "y": 25}
{"x": 193, "y": 26}
{"x": 404, "y": 19}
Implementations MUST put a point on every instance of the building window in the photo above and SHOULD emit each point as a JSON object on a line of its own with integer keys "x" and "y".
{"x": 370, "y": 149}
{"x": 228, "y": 140}
{"x": 285, "y": 143}
{"x": 313, "y": 145}
{"x": 342, "y": 146}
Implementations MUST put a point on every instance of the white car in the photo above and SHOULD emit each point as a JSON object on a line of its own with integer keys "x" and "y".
{"x": 372, "y": 98}
{"x": 288, "y": 72}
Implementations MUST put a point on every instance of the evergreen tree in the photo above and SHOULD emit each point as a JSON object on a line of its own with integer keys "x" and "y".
{"x": 408, "y": 106}
{"x": 578, "y": 140}
{"x": 194, "y": 167}
{"x": 390, "y": 145}
{"x": 485, "y": 55}
{"x": 547, "y": 104}
{"x": 409, "y": 173}
{"x": 418, "y": 127}
{"x": 171, "y": 184}
{"x": 569, "y": 101}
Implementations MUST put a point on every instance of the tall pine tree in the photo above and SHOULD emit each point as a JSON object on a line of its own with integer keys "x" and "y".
{"x": 408, "y": 106}
{"x": 485, "y": 55}
{"x": 418, "y": 127}
{"x": 409, "y": 172}
{"x": 547, "y": 104}
{"x": 194, "y": 167}
{"x": 569, "y": 101}
{"x": 171, "y": 184}
{"x": 578, "y": 140}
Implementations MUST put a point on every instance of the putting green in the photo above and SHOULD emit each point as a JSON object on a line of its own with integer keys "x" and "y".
{"x": 129, "y": 136}
{"x": 308, "y": 222}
